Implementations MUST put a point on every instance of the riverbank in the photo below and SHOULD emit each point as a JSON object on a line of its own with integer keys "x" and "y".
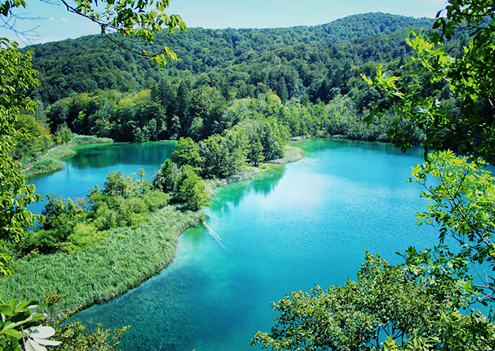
{"x": 52, "y": 160}
{"x": 102, "y": 272}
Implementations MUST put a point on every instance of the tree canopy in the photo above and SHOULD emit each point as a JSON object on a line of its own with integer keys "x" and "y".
{"x": 469, "y": 77}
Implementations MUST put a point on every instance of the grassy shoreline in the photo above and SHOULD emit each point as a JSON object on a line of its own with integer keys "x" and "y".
{"x": 126, "y": 259}
{"x": 52, "y": 161}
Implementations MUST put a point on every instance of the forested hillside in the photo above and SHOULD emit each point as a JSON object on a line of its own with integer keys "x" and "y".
{"x": 92, "y": 62}
{"x": 256, "y": 86}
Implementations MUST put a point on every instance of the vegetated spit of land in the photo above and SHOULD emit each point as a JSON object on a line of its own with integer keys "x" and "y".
{"x": 128, "y": 257}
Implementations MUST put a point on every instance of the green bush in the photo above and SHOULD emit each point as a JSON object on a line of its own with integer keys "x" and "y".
{"x": 155, "y": 200}
{"x": 83, "y": 236}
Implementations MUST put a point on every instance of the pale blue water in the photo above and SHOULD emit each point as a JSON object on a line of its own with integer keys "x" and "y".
{"x": 300, "y": 224}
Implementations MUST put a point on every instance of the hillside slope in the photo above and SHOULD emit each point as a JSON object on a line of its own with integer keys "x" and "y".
{"x": 92, "y": 62}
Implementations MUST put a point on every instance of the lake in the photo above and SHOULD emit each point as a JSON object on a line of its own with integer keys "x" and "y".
{"x": 287, "y": 229}
{"x": 92, "y": 164}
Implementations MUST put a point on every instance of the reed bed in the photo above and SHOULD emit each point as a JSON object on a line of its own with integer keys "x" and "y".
{"x": 128, "y": 257}
{"x": 44, "y": 165}
{"x": 292, "y": 154}
{"x": 79, "y": 140}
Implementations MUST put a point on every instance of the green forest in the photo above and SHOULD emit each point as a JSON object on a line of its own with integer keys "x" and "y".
{"x": 232, "y": 102}
{"x": 302, "y": 81}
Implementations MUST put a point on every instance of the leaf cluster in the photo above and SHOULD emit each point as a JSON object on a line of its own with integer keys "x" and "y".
{"x": 409, "y": 305}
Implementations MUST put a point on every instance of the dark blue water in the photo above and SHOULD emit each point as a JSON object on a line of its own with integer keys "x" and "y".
{"x": 289, "y": 228}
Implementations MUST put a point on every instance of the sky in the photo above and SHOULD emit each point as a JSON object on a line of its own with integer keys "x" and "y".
{"x": 52, "y": 22}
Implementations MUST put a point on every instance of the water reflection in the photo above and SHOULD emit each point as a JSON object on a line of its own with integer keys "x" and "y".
{"x": 100, "y": 156}
{"x": 263, "y": 184}
{"x": 314, "y": 145}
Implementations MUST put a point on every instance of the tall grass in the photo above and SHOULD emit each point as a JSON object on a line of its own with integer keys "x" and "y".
{"x": 292, "y": 154}
{"x": 44, "y": 165}
{"x": 128, "y": 257}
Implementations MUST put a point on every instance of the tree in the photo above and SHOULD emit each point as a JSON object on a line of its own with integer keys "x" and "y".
{"x": 187, "y": 153}
{"x": 182, "y": 103}
{"x": 462, "y": 206}
{"x": 117, "y": 184}
{"x": 20, "y": 328}
{"x": 413, "y": 306}
{"x": 165, "y": 178}
{"x": 470, "y": 78}
{"x": 463, "y": 201}
{"x": 139, "y": 19}
{"x": 256, "y": 153}
{"x": 191, "y": 189}
{"x": 16, "y": 76}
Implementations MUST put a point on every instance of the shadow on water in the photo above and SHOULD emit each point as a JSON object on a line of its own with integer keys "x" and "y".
{"x": 100, "y": 156}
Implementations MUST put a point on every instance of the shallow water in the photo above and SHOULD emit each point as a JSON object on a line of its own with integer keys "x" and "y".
{"x": 289, "y": 228}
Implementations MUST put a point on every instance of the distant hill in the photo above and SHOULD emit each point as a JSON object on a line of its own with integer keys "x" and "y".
{"x": 92, "y": 62}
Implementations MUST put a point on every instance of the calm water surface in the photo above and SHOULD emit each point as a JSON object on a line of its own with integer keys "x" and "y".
{"x": 92, "y": 164}
{"x": 300, "y": 224}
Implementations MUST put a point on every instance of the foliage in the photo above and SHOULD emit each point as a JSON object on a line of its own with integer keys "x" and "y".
{"x": 36, "y": 138}
{"x": 222, "y": 155}
{"x": 191, "y": 189}
{"x": 418, "y": 306}
{"x": 22, "y": 328}
{"x": 461, "y": 206}
{"x": 187, "y": 153}
{"x": 72, "y": 227}
{"x": 126, "y": 258}
{"x": 73, "y": 336}
{"x": 132, "y": 18}
{"x": 65, "y": 134}
{"x": 16, "y": 76}
{"x": 118, "y": 184}
{"x": 469, "y": 77}
{"x": 413, "y": 305}
{"x": 140, "y": 19}
{"x": 87, "y": 64}
{"x": 165, "y": 177}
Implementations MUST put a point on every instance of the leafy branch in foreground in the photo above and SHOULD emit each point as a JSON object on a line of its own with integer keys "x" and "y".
{"x": 414, "y": 306}
{"x": 469, "y": 78}
{"x": 462, "y": 206}
{"x": 16, "y": 77}
{"x": 21, "y": 328}
{"x": 132, "y": 18}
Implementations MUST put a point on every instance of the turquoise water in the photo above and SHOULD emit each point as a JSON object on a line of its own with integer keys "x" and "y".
{"x": 300, "y": 224}
{"x": 92, "y": 164}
